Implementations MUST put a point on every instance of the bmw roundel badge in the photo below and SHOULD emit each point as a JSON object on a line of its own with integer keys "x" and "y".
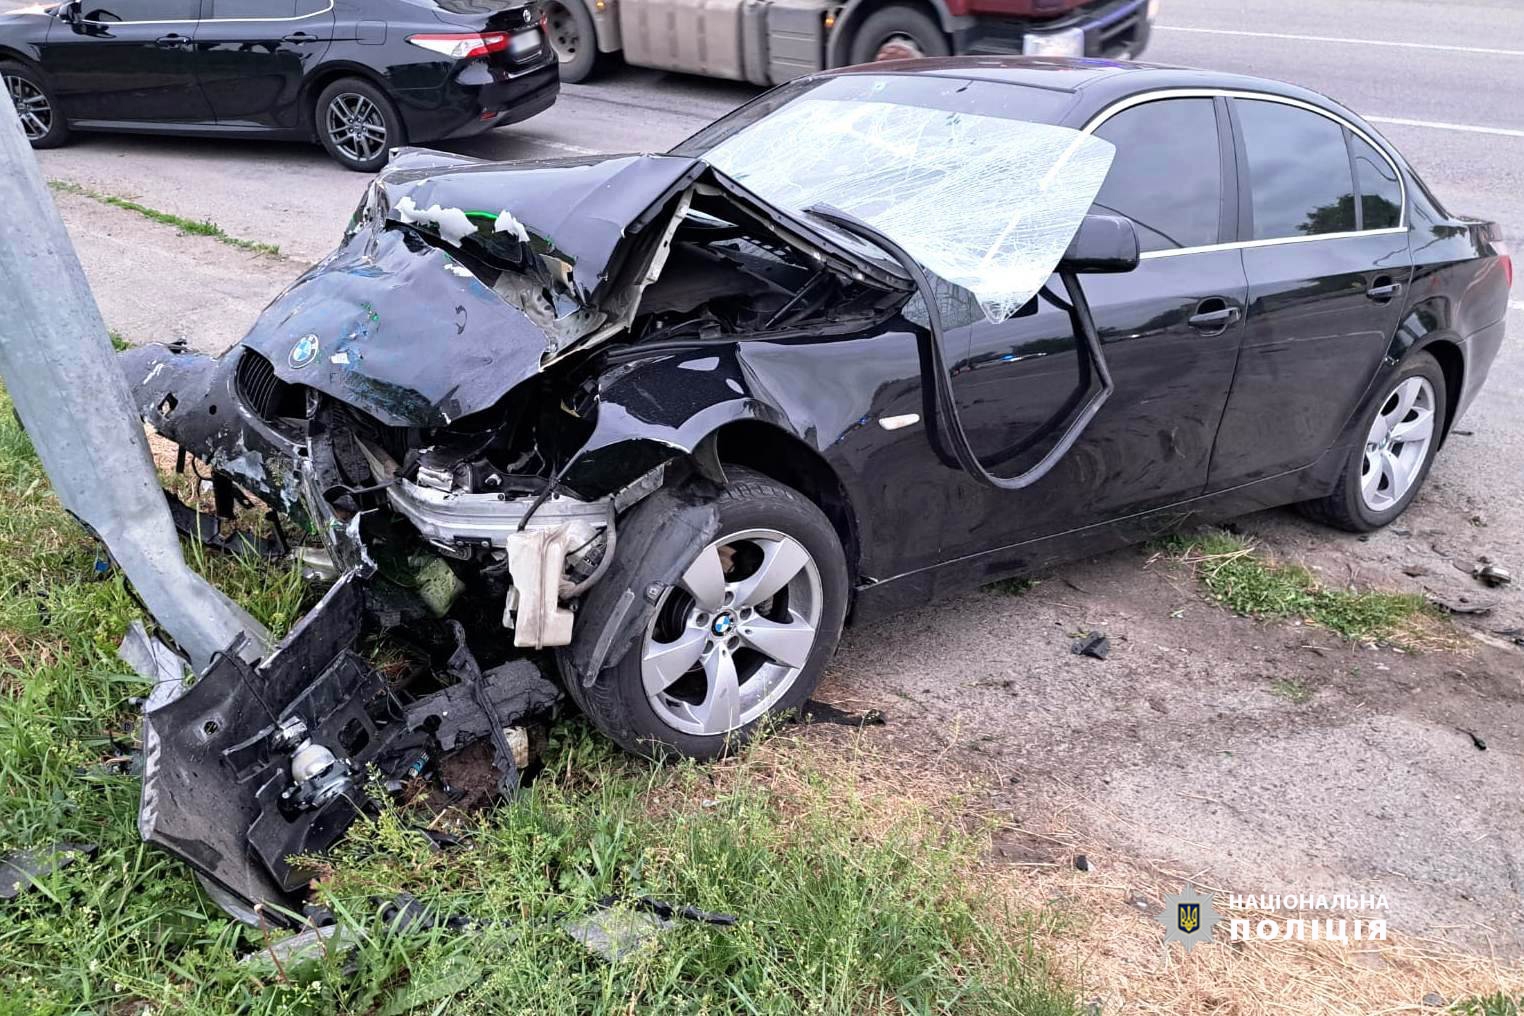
{"x": 304, "y": 352}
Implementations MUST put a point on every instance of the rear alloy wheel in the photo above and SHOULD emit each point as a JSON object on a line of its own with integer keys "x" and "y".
{"x": 1402, "y": 433}
{"x": 745, "y": 632}
{"x": 573, "y": 37}
{"x": 897, "y": 33}
{"x": 41, "y": 122}
{"x": 358, "y": 124}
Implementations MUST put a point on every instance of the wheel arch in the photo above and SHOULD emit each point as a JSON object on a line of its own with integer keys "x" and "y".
{"x": 780, "y": 455}
{"x": 1452, "y": 362}
{"x": 30, "y": 60}
{"x": 839, "y": 45}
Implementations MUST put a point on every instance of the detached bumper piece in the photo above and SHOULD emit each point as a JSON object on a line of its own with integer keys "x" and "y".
{"x": 248, "y": 767}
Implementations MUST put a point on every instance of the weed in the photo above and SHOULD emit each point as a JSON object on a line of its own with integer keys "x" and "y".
{"x": 202, "y": 227}
{"x": 1013, "y": 587}
{"x": 1496, "y": 1004}
{"x": 1292, "y": 689}
{"x": 1249, "y": 583}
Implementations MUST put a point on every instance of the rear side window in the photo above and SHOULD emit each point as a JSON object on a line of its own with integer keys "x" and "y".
{"x": 266, "y": 9}
{"x": 1167, "y": 174}
{"x": 1380, "y": 193}
{"x": 141, "y": 10}
{"x": 1299, "y": 171}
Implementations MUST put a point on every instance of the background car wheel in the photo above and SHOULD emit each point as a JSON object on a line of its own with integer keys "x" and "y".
{"x": 897, "y": 33}
{"x": 41, "y": 120}
{"x": 358, "y": 124}
{"x": 1384, "y": 472}
{"x": 745, "y": 633}
{"x": 569, "y": 25}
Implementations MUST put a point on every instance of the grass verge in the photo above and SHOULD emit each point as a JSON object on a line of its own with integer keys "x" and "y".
{"x": 195, "y": 227}
{"x": 1245, "y": 580}
{"x": 854, "y": 896}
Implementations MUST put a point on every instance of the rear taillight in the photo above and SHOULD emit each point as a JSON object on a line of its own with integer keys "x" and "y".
{"x": 1507, "y": 260}
{"x": 462, "y": 45}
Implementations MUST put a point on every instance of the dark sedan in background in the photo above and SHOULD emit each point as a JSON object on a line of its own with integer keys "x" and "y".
{"x": 360, "y": 78}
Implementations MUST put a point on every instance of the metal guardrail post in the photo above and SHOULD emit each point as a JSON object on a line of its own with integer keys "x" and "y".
{"x": 62, "y": 377}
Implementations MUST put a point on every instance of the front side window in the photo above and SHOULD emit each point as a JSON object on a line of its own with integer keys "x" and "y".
{"x": 120, "y": 11}
{"x": 1168, "y": 173}
{"x": 1299, "y": 171}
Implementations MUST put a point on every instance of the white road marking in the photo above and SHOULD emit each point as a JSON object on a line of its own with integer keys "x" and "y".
{"x": 1507, "y": 132}
{"x": 1338, "y": 39}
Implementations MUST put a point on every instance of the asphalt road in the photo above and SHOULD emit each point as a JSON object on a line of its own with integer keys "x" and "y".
{"x": 1459, "y": 64}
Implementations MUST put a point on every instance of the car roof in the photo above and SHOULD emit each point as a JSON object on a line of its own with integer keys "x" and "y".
{"x": 1096, "y": 83}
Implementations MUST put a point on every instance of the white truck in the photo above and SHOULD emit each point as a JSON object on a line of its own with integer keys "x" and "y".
{"x": 768, "y": 42}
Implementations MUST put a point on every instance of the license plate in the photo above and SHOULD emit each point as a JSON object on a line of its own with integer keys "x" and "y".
{"x": 524, "y": 43}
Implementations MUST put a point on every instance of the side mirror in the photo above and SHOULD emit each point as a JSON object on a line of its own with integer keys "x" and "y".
{"x": 68, "y": 12}
{"x": 1103, "y": 243}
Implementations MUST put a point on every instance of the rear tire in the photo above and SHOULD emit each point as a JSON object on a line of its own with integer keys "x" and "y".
{"x": 1384, "y": 472}
{"x": 572, "y": 34}
{"x": 42, "y": 121}
{"x": 358, "y": 124}
{"x": 897, "y": 33}
{"x": 764, "y": 528}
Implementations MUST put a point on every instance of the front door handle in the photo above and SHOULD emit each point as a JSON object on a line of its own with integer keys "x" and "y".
{"x": 1383, "y": 289}
{"x": 1214, "y": 315}
{"x": 299, "y": 37}
{"x": 171, "y": 41}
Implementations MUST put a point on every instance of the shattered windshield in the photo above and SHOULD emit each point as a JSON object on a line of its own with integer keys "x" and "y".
{"x": 985, "y": 202}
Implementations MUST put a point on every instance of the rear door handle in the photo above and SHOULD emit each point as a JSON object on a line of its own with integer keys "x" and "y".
{"x": 1214, "y": 315}
{"x": 1383, "y": 289}
{"x": 170, "y": 41}
{"x": 299, "y": 37}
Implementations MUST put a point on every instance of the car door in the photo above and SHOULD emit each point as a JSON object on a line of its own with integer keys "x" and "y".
{"x": 1328, "y": 266}
{"x": 124, "y": 61}
{"x": 254, "y": 54}
{"x": 1170, "y": 331}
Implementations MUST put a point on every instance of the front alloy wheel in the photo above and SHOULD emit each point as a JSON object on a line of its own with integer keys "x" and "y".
{"x": 32, "y": 107}
{"x": 735, "y": 633}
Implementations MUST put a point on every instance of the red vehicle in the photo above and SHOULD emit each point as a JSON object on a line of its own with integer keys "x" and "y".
{"x": 768, "y": 42}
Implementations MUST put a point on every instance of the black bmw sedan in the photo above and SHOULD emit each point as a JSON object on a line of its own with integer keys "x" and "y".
{"x": 881, "y": 335}
{"x": 359, "y": 77}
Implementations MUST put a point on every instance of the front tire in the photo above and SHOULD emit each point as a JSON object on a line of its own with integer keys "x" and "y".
{"x": 1384, "y": 472}
{"x": 745, "y": 633}
{"x": 897, "y": 33}
{"x": 358, "y": 124}
{"x": 42, "y": 121}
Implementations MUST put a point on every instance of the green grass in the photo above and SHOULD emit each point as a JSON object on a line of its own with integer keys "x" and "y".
{"x": 849, "y": 900}
{"x": 1247, "y": 582}
{"x": 1292, "y": 689}
{"x": 1497, "y": 1004}
{"x": 1013, "y": 587}
{"x": 195, "y": 227}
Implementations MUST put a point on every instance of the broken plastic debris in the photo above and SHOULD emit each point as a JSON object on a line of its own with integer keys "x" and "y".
{"x": 506, "y": 223}
{"x": 615, "y": 934}
{"x": 1094, "y": 645}
{"x": 1491, "y": 575}
{"x": 21, "y": 869}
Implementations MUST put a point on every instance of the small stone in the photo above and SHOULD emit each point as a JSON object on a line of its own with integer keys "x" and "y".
{"x": 1082, "y": 862}
{"x": 1434, "y": 1000}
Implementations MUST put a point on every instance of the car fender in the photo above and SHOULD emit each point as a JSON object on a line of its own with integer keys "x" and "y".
{"x": 639, "y": 427}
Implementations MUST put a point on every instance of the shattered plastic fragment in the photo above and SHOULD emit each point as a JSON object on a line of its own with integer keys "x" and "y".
{"x": 506, "y": 223}
{"x": 986, "y": 203}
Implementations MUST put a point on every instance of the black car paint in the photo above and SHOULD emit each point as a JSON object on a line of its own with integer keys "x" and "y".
{"x": 209, "y": 76}
{"x": 1195, "y": 432}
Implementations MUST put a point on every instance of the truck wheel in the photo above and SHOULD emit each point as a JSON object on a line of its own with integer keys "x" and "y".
{"x": 897, "y": 33}
{"x": 744, "y": 634}
{"x": 574, "y": 38}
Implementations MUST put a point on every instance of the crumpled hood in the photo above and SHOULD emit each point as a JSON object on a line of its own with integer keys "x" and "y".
{"x": 580, "y": 211}
{"x": 397, "y": 325}
{"x": 400, "y": 330}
